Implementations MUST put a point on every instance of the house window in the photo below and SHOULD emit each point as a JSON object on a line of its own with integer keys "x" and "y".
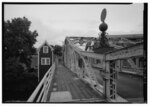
{"x": 48, "y": 61}
{"x": 45, "y": 49}
{"x": 42, "y": 61}
{"x": 45, "y": 61}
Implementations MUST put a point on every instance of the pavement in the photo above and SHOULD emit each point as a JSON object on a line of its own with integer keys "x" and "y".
{"x": 130, "y": 86}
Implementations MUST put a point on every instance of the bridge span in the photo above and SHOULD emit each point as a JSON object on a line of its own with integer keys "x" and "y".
{"x": 76, "y": 80}
{"x": 95, "y": 73}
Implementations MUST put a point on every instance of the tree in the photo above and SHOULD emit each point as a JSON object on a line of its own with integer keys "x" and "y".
{"x": 58, "y": 50}
{"x": 19, "y": 40}
{"x": 18, "y": 46}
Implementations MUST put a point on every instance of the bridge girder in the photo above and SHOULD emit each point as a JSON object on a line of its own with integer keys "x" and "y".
{"x": 110, "y": 71}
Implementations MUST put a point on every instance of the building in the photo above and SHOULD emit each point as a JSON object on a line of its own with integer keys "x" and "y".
{"x": 45, "y": 59}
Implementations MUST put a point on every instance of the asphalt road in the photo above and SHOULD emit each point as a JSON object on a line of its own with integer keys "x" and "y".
{"x": 129, "y": 86}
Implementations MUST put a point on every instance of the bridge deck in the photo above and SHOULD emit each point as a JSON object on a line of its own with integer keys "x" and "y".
{"x": 65, "y": 80}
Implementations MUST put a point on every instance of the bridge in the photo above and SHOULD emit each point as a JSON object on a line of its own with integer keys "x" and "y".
{"x": 86, "y": 74}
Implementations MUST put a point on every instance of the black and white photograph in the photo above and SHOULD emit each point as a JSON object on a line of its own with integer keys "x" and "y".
{"x": 74, "y": 52}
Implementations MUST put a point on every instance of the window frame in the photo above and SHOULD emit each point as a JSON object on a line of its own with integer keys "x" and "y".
{"x": 44, "y": 61}
{"x": 45, "y": 49}
{"x": 47, "y": 61}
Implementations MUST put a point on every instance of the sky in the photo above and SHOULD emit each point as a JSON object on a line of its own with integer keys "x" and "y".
{"x": 54, "y": 22}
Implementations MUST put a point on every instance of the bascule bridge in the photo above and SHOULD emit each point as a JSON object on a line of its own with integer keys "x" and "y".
{"x": 90, "y": 68}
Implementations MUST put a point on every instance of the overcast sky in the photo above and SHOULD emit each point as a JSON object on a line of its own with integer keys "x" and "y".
{"x": 54, "y": 22}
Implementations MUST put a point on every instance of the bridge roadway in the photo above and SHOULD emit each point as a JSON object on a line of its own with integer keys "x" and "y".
{"x": 129, "y": 86}
{"x": 67, "y": 87}
{"x": 66, "y": 82}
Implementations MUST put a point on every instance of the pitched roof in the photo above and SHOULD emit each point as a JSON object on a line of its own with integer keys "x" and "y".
{"x": 43, "y": 45}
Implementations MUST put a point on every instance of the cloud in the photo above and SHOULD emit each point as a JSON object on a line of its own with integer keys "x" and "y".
{"x": 54, "y": 22}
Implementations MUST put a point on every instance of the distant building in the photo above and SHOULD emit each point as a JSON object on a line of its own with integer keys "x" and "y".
{"x": 45, "y": 59}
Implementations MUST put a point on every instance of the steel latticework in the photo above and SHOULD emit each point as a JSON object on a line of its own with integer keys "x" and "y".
{"x": 79, "y": 62}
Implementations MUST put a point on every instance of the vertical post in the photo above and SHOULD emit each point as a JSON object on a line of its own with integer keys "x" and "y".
{"x": 117, "y": 69}
{"x": 107, "y": 80}
{"x": 112, "y": 67}
{"x": 118, "y": 65}
{"x": 110, "y": 79}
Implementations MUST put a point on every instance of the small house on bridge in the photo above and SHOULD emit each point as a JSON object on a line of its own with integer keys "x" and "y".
{"x": 45, "y": 59}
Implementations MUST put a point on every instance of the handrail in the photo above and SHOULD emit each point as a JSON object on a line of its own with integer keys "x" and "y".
{"x": 43, "y": 87}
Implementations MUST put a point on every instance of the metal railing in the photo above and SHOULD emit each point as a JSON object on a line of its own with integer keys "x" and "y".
{"x": 41, "y": 91}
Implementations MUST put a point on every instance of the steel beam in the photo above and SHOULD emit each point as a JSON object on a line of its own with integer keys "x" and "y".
{"x": 132, "y": 51}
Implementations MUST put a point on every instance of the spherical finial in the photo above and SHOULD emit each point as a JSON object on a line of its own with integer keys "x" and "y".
{"x": 103, "y": 27}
